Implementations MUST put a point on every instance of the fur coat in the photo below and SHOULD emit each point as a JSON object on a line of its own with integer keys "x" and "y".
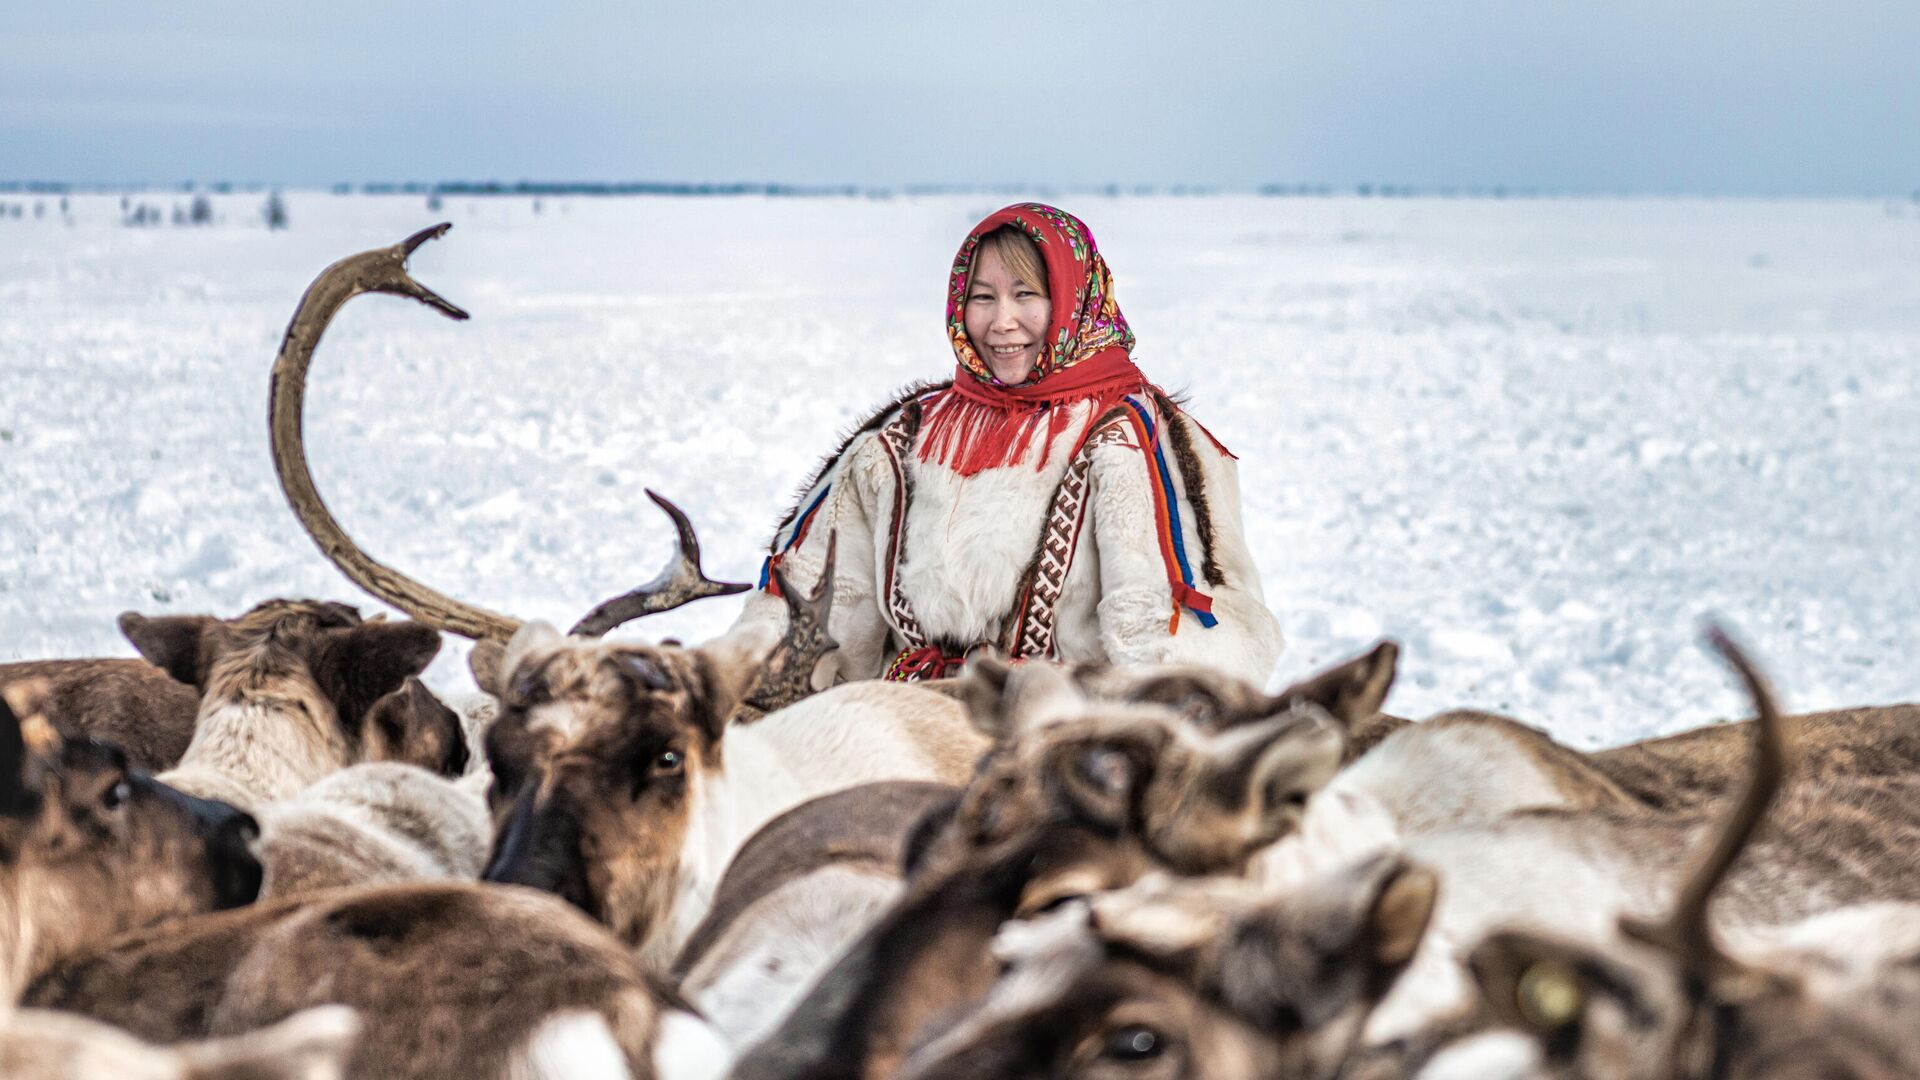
{"x": 967, "y": 543}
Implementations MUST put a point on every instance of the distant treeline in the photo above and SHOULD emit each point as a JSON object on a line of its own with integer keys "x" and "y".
{"x": 547, "y": 188}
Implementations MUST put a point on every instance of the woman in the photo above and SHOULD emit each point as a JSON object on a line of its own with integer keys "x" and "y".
{"x": 1049, "y": 502}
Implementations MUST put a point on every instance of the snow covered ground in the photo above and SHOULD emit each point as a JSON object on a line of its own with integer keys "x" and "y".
{"x": 1535, "y": 441}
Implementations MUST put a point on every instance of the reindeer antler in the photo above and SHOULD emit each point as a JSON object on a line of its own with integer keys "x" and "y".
{"x": 681, "y": 582}
{"x": 381, "y": 270}
{"x": 1685, "y": 933}
{"x": 385, "y": 270}
{"x": 788, "y": 676}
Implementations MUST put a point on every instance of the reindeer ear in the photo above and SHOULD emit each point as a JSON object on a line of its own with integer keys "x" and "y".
{"x": 486, "y": 662}
{"x": 1398, "y": 918}
{"x": 172, "y": 643}
{"x": 1101, "y": 776}
{"x": 1037, "y": 695}
{"x": 1349, "y": 692}
{"x": 362, "y": 664}
{"x": 730, "y": 665}
{"x": 983, "y": 690}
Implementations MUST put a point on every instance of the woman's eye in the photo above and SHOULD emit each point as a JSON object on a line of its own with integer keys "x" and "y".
{"x": 1135, "y": 1042}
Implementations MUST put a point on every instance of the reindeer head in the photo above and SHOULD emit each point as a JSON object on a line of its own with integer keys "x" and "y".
{"x": 1204, "y": 977}
{"x": 316, "y": 656}
{"x": 1668, "y": 1004}
{"x": 90, "y": 848}
{"x": 412, "y": 727}
{"x": 600, "y": 754}
{"x": 1204, "y": 769}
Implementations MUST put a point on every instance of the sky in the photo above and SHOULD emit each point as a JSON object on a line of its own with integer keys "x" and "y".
{"x": 1764, "y": 97}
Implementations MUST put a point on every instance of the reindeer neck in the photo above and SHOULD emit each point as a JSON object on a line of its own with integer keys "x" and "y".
{"x": 259, "y": 748}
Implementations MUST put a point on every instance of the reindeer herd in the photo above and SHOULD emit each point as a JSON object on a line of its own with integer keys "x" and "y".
{"x": 266, "y": 850}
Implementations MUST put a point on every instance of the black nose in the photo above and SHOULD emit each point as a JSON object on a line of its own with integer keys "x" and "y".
{"x": 229, "y": 834}
{"x": 540, "y": 847}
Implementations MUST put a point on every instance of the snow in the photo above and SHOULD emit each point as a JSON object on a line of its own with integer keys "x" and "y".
{"x": 1535, "y": 441}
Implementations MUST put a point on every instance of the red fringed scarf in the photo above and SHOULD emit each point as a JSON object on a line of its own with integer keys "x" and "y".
{"x": 980, "y": 423}
{"x": 971, "y": 427}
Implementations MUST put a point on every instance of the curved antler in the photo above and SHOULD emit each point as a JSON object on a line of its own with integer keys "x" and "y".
{"x": 1685, "y": 933}
{"x": 382, "y": 270}
{"x": 682, "y": 582}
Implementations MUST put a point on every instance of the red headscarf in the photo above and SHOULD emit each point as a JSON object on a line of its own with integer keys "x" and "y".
{"x": 981, "y": 423}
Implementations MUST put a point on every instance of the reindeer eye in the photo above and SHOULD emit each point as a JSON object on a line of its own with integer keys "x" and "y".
{"x": 669, "y": 763}
{"x": 116, "y": 796}
{"x": 1549, "y": 995}
{"x": 1135, "y": 1042}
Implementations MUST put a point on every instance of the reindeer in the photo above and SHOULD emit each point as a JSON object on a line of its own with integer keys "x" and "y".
{"x": 129, "y": 703}
{"x": 285, "y": 691}
{"x": 1078, "y": 796}
{"x": 453, "y": 980}
{"x": 36, "y": 1044}
{"x": 623, "y": 748}
{"x": 90, "y": 848}
{"x": 1668, "y": 1001}
{"x": 1206, "y": 977}
{"x": 405, "y": 814}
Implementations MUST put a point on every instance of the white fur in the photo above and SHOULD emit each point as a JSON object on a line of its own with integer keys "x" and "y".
{"x": 854, "y": 734}
{"x": 686, "y": 1048}
{"x": 770, "y": 956}
{"x": 38, "y": 1044}
{"x": 573, "y": 1045}
{"x": 1493, "y": 1055}
{"x": 258, "y": 750}
{"x": 387, "y": 822}
{"x": 1429, "y": 776}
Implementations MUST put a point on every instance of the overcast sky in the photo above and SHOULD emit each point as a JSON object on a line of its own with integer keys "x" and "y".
{"x": 1756, "y": 96}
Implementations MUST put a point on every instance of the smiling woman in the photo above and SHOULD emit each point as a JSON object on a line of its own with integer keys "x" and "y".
{"x": 1049, "y": 502}
{"x": 1007, "y": 304}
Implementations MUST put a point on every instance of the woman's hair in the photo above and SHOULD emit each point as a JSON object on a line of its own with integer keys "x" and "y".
{"x": 1021, "y": 255}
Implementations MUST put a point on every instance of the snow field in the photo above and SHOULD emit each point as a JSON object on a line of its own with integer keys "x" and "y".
{"x": 1535, "y": 441}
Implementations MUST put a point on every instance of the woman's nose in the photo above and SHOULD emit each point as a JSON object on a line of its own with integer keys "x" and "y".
{"x": 1004, "y": 317}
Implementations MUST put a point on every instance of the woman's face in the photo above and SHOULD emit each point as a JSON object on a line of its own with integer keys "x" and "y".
{"x": 1006, "y": 320}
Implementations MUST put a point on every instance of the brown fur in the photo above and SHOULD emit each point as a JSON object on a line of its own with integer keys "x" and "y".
{"x": 129, "y": 703}
{"x": 1695, "y": 766}
{"x": 1063, "y": 808}
{"x": 450, "y": 979}
{"x": 1187, "y": 979}
{"x": 598, "y": 812}
{"x": 89, "y": 849}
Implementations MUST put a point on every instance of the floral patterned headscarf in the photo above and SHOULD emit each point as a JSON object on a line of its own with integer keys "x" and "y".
{"x": 982, "y": 423}
{"x": 1085, "y": 320}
